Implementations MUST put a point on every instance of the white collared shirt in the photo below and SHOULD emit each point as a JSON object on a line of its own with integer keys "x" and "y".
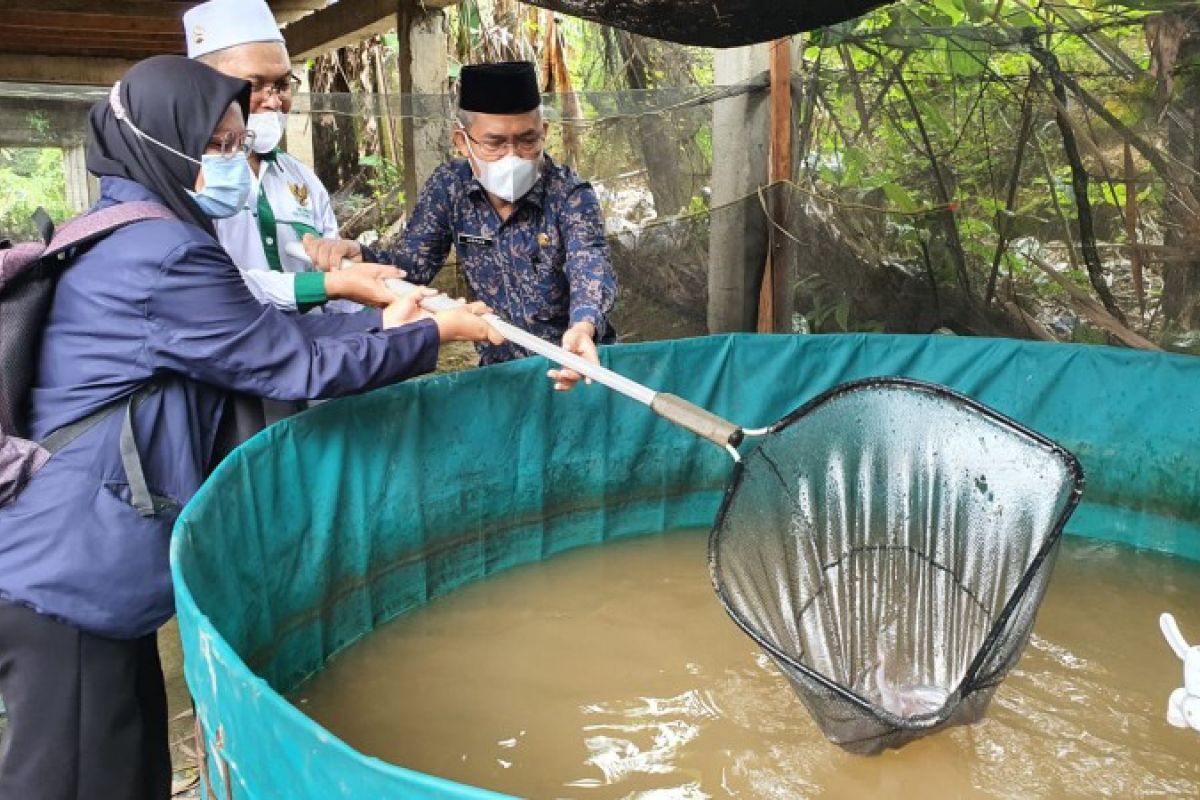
{"x": 299, "y": 204}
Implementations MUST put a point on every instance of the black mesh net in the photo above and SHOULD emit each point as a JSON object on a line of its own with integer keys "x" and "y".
{"x": 713, "y": 23}
{"x": 888, "y": 545}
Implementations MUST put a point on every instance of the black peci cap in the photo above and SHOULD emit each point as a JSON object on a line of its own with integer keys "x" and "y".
{"x": 510, "y": 87}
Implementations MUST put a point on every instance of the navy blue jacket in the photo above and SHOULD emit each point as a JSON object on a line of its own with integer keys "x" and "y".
{"x": 546, "y": 268}
{"x": 160, "y": 300}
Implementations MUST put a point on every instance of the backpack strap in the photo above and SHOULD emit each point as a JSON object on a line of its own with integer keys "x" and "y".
{"x": 139, "y": 491}
{"x": 131, "y": 459}
{"x": 87, "y": 228}
{"x": 44, "y": 224}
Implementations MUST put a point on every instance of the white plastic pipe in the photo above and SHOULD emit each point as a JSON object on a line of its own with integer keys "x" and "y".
{"x": 671, "y": 408}
{"x": 601, "y": 375}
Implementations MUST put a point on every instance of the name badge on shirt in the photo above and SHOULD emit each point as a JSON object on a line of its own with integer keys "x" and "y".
{"x": 475, "y": 241}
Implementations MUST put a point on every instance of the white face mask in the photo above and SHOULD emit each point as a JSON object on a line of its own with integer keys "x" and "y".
{"x": 510, "y": 178}
{"x": 268, "y": 130}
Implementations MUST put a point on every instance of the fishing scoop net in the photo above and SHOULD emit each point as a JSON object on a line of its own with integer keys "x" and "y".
{"x": 888, "y": 546}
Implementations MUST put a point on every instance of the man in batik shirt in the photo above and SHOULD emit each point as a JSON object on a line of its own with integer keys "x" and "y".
{"x": 528, "y": 232}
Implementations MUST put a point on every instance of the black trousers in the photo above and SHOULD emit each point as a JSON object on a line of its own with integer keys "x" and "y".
{"x": 87, "y": 716}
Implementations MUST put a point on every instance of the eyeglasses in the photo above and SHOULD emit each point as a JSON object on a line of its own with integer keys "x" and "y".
{"x": 230, "y": 144}
{"x": 491, "y": 147}
{"x": 283, "y": 86}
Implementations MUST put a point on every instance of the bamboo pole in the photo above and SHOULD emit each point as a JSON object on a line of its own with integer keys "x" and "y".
{"x": 387, "y": 135}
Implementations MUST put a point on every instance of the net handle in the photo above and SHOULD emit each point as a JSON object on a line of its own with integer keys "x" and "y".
{"x": 674, "y": 409}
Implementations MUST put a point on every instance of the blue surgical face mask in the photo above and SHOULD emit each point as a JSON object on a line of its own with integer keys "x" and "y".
{"x": 227, "y": 184}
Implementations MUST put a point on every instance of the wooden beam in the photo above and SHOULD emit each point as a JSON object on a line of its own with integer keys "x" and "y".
{"x": 22, "y": 40}
{"x": 346, "y": 22}
{"x": 294, "y": 8}
{"x": 69, "y": 70}
{"x": 89, "y": 43}
{"x": 86, "y": 38}
{"x": 781, "y": 111}
{"x": 120, "y": 53}
{"x": 109, "y": 47}
{"x": 408, "y": 131}
{"x": 284, "y": 10}
{"x": 773, "y": 294}
{"x": 62, "y": 22}
{"x": 118, "y": 8}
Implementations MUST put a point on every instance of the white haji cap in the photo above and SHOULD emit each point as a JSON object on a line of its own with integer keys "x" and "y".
{"x": 218, "y": 24}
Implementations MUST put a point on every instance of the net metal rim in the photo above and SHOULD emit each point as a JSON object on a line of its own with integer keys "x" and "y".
{"x": 933, "y": 719}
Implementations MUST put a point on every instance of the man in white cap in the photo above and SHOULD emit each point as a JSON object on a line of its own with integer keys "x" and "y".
{"x": 241, "y": 38}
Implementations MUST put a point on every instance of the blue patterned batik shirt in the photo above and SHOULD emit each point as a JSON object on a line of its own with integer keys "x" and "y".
{"x": 544, "y": 269}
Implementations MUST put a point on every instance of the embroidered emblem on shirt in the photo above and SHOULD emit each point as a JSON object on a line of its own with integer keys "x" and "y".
{"x": 300, "y": 192}
{"x": 198, "y": 38}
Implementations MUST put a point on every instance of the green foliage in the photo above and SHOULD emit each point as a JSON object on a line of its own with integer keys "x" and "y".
{"x": 383, "y": 184}
{"x": 696, "y": 206}
{"x": 1086, "y": 334}
{"x": 928, "y": 158}
{"x": 38, "y": 123}
{"x": 966, "y": 67}
{"x": 30, "y": 177}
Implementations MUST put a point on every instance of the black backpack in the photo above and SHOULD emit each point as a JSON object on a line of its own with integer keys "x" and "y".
{"x": 28, "y": 274}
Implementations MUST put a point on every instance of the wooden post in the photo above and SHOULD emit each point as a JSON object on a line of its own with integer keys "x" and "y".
{"x": 299, "y": 141}
{"x": 773, "y": 306}
{"x": 781, "y": 110}
{"x": 408, "y": 134}
{"x": 78, "y": 188}
{"x": 424, "y": 113}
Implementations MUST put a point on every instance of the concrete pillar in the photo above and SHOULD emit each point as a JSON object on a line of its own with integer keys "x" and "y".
{"x": 82, "y": 189}
{"x": 431, "y": 87}
{"x": 424, "y": 87}
{"x": 737, "y": 247}
{"x": 299, "y": 141}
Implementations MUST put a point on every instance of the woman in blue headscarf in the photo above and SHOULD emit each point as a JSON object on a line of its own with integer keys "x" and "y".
{"x": 155, "y": 312}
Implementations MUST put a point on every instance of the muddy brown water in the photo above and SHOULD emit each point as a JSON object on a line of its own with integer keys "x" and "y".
{"x": 613, "y": 672}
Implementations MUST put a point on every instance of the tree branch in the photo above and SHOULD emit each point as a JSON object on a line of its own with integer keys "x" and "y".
{"x": 1164, "y": 168}
{"x": 945, "y": 213}
{"x": 1079, "y": 182}
{"x": 1092, "y": 310}
{"x": 1013, "y": 181}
